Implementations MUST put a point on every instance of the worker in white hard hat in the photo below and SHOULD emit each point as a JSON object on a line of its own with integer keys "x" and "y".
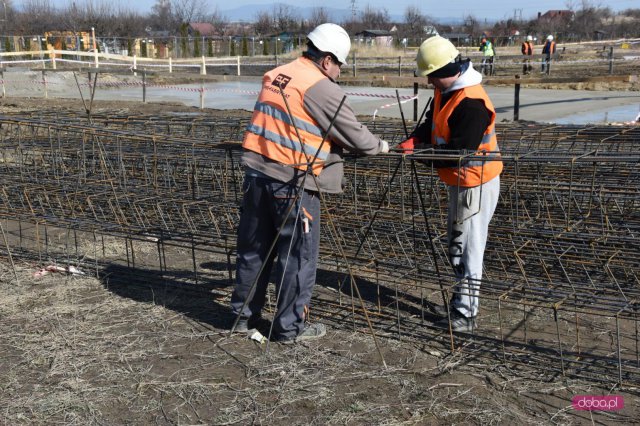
{"x": 549, "y": 49}
{"x": 293, "y": 150}
{"x": 527, "y": 51}
{"x": 460, "y": 124}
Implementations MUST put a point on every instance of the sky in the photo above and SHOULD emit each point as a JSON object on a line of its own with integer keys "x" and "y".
{"x": 488, "y": 9}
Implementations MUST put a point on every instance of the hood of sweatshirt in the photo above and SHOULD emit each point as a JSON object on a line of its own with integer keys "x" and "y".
{"x": 469, "y": 77}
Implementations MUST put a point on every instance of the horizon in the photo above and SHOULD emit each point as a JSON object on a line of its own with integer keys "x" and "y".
{"x": 496, "y": 11}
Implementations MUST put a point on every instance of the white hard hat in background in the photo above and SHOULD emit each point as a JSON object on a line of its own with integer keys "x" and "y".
{"x": 529, "y": 38}
{"x": 434, "y": 53}
{"x": 550, "y": 37}
{"x": 331, "y": 38}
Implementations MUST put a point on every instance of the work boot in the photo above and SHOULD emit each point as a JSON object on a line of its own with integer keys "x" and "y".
{"x": 459, "y": 323}
{"x": 255, "y": 321}
{"x": 310, "y": 332}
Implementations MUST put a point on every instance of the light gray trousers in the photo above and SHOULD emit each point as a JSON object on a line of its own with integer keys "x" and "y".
{"x": 470, "y": 211}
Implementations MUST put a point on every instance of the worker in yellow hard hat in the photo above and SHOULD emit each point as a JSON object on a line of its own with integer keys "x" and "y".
{"x": 460, "y": 124}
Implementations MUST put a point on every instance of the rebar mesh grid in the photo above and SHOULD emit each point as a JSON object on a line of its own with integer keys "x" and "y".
{"x": 560, "y": 266}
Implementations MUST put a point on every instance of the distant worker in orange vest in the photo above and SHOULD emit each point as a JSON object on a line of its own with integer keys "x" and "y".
{"x": 549, "y": 49}
{"x": 461, "y": 121}
{"x": 292, "y": 151}
{"x": 527, "y": 51}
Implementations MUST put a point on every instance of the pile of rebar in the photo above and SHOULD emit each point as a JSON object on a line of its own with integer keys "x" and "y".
{"x": 560, "y": 265}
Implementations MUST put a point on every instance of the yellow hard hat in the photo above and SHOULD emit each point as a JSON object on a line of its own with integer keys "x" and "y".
{"x": 434, "y": 53}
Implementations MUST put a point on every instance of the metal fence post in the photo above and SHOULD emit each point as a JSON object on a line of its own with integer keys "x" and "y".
{"x": 44, "y": 82}
{"x": 516, "y": 100}
{"x": 415, "y": 101}
{"x": 611, "y": 60}
{"x": 238, "y": 58}
{"x": 399, "y": 66}
{"x": 144, "y": 87}
{"x": 354, "y": 64}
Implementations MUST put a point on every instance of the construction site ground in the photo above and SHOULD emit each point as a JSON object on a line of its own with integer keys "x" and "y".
{"x": 82, "y": 350}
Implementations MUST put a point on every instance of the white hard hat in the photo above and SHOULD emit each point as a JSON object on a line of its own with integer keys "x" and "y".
{"x": 529, "y": 38}
{"x": 550, "y": 37}
{"x": 434, "y": 53}
{"x": 333, "y": 39}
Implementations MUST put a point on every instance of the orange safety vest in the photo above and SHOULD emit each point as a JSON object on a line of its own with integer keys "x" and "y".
{"x": 271, "y": 132}
{"x": 527, "y": 48}
{"x": 471, "y": 170}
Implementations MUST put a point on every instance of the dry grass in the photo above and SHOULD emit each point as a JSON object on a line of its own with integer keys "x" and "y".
{"x": 76, "y": 350}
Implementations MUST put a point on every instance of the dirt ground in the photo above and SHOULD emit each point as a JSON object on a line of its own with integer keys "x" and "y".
{"x": 83, "y": 350}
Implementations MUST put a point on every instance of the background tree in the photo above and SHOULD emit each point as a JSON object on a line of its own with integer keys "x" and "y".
{"x": 587, "y": 18}
{"x": 414, "y": 24}
{"x": 187, "y": 11}
{"x": 375, "y": 19}
{"x": 7, "y": 17}
{"x": 284, "y": 18}
{"x": 217, "y": 19}
{"x": 471, "y": 25}
{"x": 319, "y": 15}
{"x": 184, "y": 39}
{"x": 245, "y": 46}
{"x": 264, "y": 24}
{"x": 196, "y": 44}
{"x": 161, "y": 17}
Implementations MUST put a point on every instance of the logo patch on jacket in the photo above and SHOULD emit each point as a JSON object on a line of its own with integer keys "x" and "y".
{"x": 281, "y": 81}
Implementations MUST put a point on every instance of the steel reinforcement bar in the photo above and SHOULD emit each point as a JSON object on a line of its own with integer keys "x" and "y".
{"x": 560, "y": 265}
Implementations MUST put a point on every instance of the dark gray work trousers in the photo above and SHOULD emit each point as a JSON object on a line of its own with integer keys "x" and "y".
{"x": 265, "y": 210}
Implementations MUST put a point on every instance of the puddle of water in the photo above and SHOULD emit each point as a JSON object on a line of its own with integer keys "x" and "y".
{"x": 619, "y": 114}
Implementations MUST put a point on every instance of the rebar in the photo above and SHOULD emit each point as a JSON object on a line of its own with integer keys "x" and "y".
{"x": 560, "y": 264}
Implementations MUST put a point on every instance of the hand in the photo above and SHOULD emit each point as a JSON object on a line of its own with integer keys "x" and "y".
{"x": 408, "y": 146}
{"x": 385, "y": 146}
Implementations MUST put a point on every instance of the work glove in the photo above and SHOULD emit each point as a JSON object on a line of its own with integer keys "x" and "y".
{"x": 407, "y": 146}
{"x": 385, "y": 146}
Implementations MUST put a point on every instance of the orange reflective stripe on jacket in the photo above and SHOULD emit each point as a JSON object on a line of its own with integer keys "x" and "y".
{"x": 485, "y": 163}
{"x": 271, "y": 131}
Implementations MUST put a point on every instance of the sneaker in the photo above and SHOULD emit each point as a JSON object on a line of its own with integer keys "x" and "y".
{"x": 440, "y": 310}
{"x": 310, "y": 332}
{"x": 459, "y": 323}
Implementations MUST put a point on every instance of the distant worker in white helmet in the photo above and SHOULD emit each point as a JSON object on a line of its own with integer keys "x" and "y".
{"x": 549, "y": 49}
{"x": 527, "y": 51}
{"x": 461, "y": 122}
{"x": 288, "y": 161}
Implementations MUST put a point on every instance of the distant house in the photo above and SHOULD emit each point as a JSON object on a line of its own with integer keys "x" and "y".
{"x": 552, "y": 15}
{"x": 458, "y": 38}
{"x": 600, "y": 35}
{"x": 204, "y": 29}
{"x": 430, "y": 31}
{"x": 286, "y": 41}
{"x": 375, "y": 37}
